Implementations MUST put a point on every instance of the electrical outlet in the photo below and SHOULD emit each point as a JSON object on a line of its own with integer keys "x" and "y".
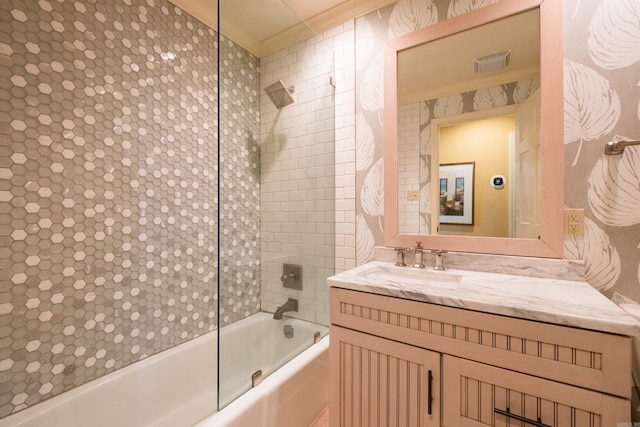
{"x": 412, "y": 195}
{"x": 574, "y": 222}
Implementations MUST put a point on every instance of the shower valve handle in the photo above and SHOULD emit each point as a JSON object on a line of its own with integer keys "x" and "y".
{"x": 288, "y": 276}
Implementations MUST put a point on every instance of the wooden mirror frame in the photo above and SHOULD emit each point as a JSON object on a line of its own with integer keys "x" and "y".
{"x": 550, "y": 243}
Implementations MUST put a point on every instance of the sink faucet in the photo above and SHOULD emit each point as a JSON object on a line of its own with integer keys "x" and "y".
{"x": 439, "y": 260}
{"x": 290, "y": 305}
{"x": 419, "y": 258}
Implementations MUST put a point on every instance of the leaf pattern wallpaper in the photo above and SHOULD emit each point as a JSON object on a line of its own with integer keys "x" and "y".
{"x": 592, "y": 107}
{"x": 602, "y": 91}
{"x": 602, "y": 103}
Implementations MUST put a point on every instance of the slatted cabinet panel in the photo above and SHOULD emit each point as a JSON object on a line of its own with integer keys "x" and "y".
{"x": 381, "y": 383}
{"x": 580, "y": 357}
{"x": 476, "y": 394}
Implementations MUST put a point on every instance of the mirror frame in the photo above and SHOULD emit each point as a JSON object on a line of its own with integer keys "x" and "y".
{"x": 550, "y": 243}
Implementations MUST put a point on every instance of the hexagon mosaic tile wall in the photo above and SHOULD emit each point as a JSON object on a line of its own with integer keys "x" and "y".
{"x": 239, "y": 190}
{"x": 108, "y": 189}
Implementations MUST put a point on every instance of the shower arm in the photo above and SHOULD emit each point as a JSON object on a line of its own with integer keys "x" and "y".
{"x": 617, "y": 147}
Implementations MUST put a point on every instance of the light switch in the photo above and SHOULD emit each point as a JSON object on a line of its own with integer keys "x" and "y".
{"x": 412, "y": 195}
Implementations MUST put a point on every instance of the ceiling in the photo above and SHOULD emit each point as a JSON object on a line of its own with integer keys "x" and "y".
{"x": 266, "y": 26}
{"x": 445, "y": 66}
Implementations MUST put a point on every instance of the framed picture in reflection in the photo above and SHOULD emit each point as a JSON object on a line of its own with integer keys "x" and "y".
{"x": 456, "y": 204}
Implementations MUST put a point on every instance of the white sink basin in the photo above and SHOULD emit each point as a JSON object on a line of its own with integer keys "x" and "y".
{"x": 411, "y": 275}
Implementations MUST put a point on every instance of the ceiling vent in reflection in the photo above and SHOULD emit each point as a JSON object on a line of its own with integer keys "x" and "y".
{"x": 492, "y": 63}
{"x": 279, "y": 94}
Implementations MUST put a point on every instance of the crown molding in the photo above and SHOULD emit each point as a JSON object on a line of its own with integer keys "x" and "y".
{"x": 345, "y": 11}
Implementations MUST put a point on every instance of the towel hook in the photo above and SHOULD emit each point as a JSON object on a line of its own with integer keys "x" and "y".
{"x": 617, "y": 147}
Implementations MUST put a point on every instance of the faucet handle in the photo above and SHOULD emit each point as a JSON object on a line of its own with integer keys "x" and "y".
{"x": 289, "y": 276}
{"x": 400, "y": 253}
{"x": 439, "y": 259}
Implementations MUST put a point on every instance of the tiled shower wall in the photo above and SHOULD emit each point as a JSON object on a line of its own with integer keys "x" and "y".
{"x": 108, "y": 182}
{"x": 298, "y": 178}
{"x": 239, "y": 183}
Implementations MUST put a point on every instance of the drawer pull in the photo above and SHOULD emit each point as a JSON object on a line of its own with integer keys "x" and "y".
{"x": 429, "y": 392}
{"x": 508, "y": 414}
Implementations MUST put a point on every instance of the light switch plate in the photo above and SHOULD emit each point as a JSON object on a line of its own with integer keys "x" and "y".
{"x": 412, "y": 195}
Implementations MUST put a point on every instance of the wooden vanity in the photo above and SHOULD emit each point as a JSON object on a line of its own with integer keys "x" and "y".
{"x": 406, "y": 356}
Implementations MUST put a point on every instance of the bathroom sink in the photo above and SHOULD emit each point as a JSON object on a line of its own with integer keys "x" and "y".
{"x": 412, "y": 276}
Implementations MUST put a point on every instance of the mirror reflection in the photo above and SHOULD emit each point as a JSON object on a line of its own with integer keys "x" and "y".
{"x": 469, "y": 132}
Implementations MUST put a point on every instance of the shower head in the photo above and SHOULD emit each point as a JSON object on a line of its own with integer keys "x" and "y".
{"x": 279, "y": 94}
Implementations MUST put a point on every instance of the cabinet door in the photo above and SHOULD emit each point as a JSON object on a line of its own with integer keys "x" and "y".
{"x": 376, "y": 382}
{"x": 475, "y": 394}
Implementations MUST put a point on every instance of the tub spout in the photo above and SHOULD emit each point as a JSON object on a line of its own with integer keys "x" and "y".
{"x": 290, "y": 305}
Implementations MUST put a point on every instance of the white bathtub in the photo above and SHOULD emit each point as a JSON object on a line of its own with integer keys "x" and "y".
{"x": 178, "y": 387}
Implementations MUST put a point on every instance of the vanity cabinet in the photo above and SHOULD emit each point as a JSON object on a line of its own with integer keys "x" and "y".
{"x": 398, "y": 362}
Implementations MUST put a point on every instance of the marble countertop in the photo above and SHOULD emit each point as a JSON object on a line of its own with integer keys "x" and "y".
{"x": 561, "y": 302}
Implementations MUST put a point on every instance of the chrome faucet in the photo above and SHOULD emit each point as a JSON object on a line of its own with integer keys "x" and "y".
{"x": 290, "y": 305}
{"x": 439, "y": 260}
{"x": 418, "y": 251}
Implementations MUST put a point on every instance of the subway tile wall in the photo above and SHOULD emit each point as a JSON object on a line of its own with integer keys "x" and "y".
{"x": 342, "y": 39}
{"x": 108, "y": 182}
{"x": 298, "y": 178}
{"x": 409, "y": 167}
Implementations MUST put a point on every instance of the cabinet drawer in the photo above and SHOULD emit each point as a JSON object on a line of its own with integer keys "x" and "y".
{"x": 476, "y": 394}
{"x": 589, "y": 359}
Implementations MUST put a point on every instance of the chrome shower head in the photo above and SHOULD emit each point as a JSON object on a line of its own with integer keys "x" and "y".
{"x": 279, "y": 94}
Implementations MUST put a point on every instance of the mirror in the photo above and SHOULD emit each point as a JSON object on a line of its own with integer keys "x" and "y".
{"x": 471, "y": 110}
{"x": 473, "y": 161}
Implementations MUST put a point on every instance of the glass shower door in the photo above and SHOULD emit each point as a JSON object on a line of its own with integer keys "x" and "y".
{"x": 276, "y": 192}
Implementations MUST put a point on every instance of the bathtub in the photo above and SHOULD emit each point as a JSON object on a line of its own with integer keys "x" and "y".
{"x": 178, "y": 387}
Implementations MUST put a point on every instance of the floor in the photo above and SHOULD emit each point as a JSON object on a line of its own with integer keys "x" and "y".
{"x": 322, "y": 420}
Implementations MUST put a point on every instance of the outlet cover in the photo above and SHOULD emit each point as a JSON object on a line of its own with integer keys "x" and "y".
{"x": 574, "y": 222}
